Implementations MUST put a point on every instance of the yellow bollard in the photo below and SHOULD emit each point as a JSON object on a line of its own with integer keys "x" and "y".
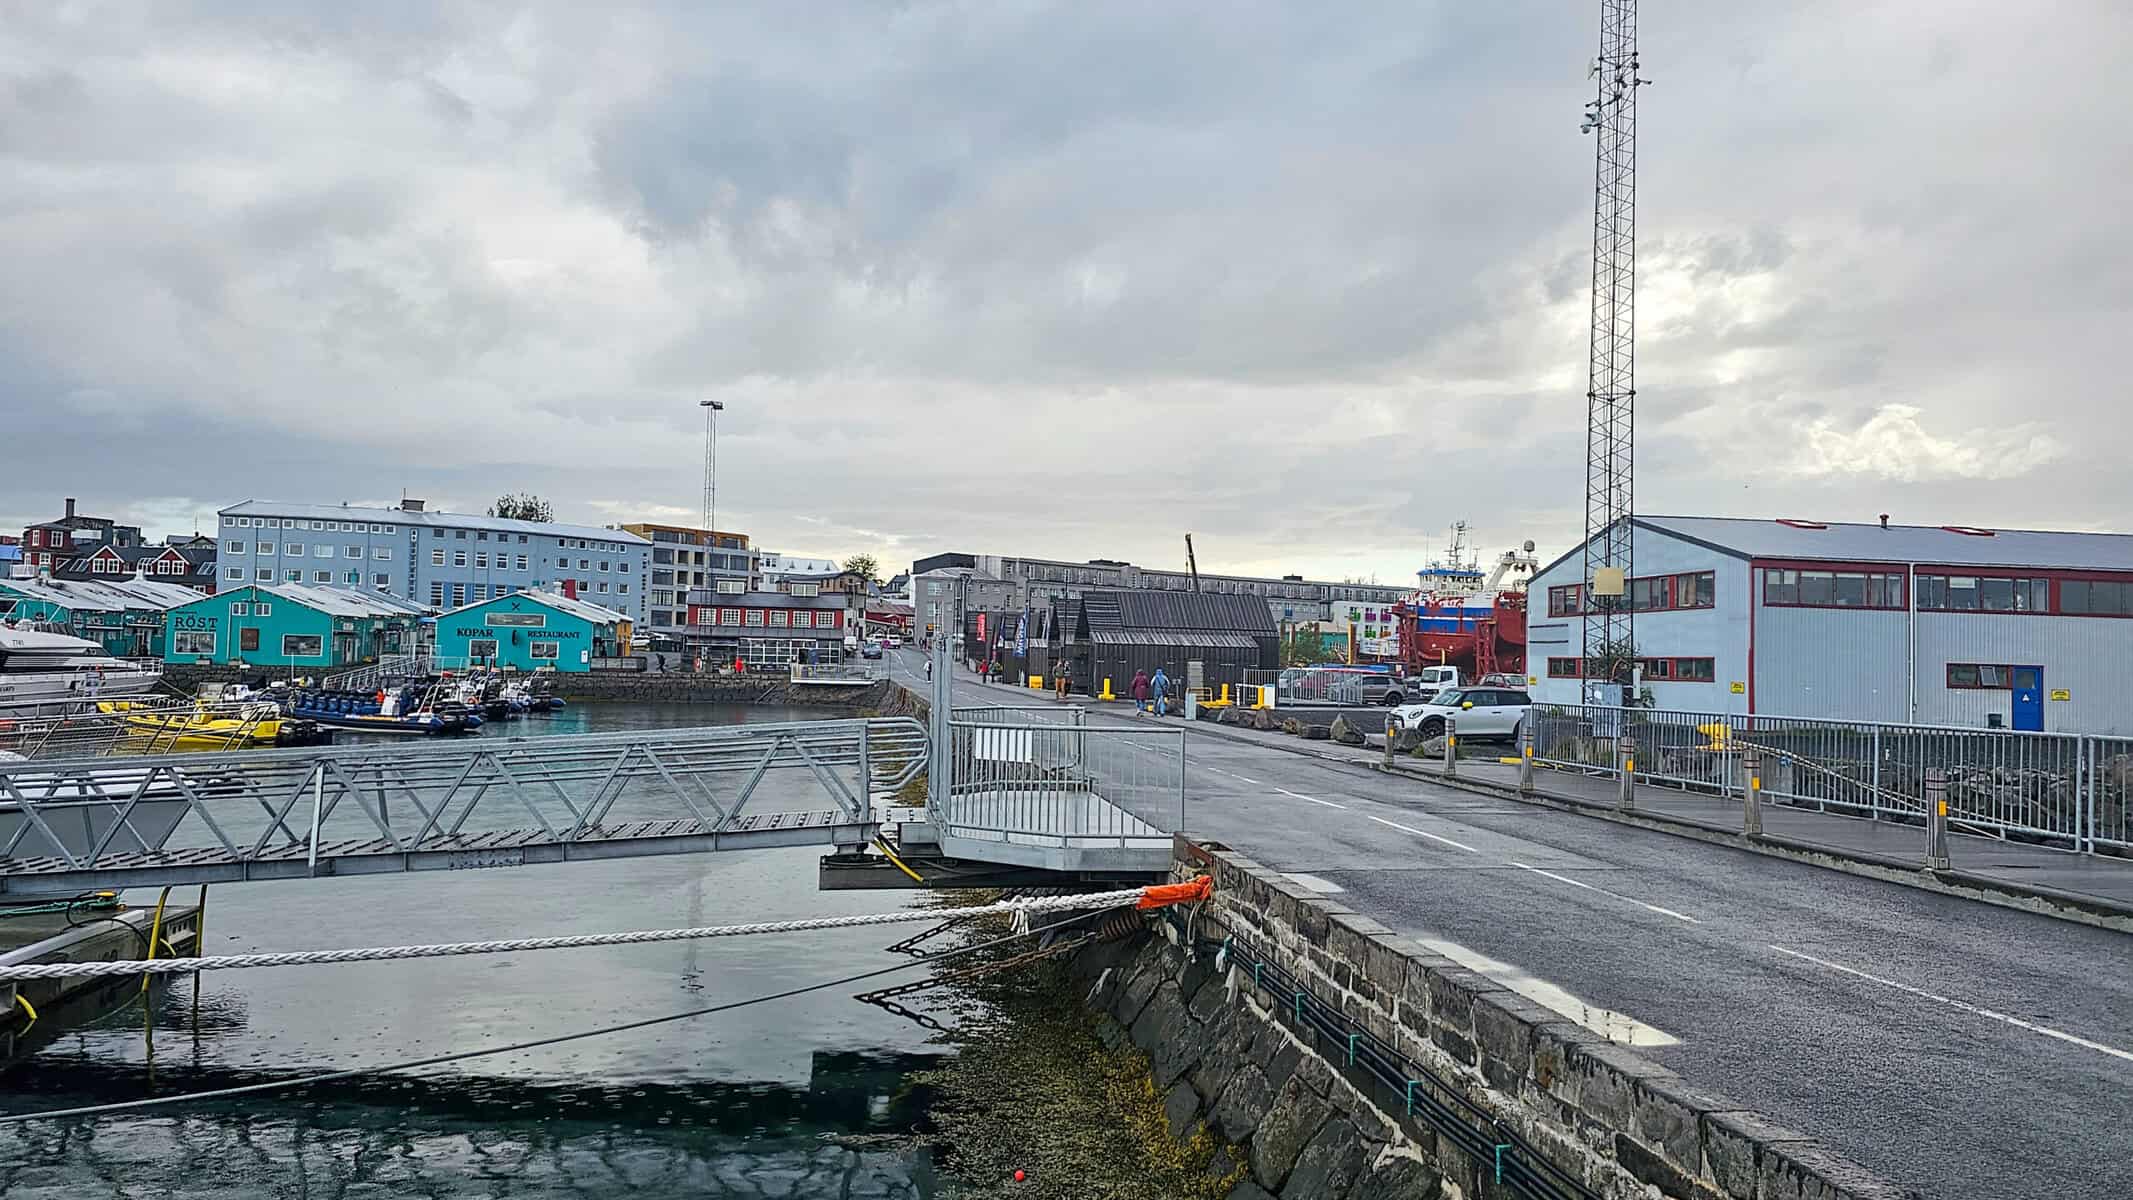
{"x": 1107, "y": 690}
{"x": 1225, "y": 693}
{"x": 1036, "y": 683}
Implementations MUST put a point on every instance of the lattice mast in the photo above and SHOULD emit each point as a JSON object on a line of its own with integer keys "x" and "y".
{"x": 1611, "y": 386}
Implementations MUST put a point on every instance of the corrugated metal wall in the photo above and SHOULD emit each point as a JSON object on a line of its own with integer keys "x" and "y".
{"x": 1221, "y": 665}
{"x": 1832, "y": 662}
{"x": 2089, "y": 658}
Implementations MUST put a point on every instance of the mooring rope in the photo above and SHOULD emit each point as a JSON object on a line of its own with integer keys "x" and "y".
{"x": 299, "y": 958}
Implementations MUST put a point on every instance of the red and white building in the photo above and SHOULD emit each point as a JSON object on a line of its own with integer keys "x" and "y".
{"x": 1927, "y": 624}
{"x": 768, "y": 629}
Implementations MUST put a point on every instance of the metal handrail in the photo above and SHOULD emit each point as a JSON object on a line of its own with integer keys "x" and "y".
{"x": 254, "y": 804}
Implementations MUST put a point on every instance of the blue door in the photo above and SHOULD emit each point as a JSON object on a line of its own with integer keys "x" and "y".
{"x": 2029, "y": 698}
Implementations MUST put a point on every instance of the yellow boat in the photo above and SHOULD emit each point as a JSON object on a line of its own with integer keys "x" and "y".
{"x": 216, "y": 727}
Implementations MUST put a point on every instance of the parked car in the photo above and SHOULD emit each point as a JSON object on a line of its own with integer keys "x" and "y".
{"x": 1479, "y": 712}
{"x": 870, "y": 650}
{"x": 892, "y": 642}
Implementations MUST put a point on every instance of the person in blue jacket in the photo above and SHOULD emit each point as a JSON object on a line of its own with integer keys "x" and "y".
{"x": 1161, "y": 686}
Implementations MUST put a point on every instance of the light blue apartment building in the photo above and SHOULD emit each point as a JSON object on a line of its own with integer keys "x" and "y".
{"x": 438, "y": 560}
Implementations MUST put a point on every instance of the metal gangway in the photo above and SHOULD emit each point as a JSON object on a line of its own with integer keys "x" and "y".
{"x": 74, "y": 824}
{"x": 418, "y": 664}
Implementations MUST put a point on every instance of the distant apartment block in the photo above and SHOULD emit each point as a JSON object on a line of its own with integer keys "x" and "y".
{"x": 439, "y": 560}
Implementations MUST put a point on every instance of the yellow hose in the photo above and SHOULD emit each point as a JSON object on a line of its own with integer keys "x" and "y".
{"x": 891, "y": 856}
{"x": 155, "y": 934}
{"x": 27, "y": 1007}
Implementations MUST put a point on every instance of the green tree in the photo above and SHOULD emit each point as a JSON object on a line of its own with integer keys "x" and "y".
{"x": 522, "y": 506}
{"x": 864, "y": 566}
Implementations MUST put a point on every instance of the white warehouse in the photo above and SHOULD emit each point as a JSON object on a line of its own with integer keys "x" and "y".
{"x": 1936, "y": 625}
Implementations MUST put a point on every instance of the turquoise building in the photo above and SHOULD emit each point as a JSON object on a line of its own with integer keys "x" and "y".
{"x": 290, "y": 626}
{"x": 528, "y": 631}
{"x": 125, "y": 616}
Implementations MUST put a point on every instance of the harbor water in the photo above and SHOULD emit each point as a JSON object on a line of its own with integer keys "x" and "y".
{"x": 806, "y": 1097}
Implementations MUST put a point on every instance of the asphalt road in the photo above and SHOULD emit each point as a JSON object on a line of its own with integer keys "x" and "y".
{"x": 1958, "y": 1048}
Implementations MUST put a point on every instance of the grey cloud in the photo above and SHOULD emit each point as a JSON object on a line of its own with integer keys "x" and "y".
{"x": 1068, "y": 278}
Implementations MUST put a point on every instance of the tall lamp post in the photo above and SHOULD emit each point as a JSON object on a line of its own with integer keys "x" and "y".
{"x": 711, "y": 410}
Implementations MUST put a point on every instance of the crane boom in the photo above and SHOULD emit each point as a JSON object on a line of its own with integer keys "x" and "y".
{"x": 1192, "y": 564}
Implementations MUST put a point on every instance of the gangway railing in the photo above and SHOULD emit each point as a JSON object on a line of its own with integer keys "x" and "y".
{"x": 153, "y": 725}
{"x": 67, "y": 825}
{"x": 414, "y": 665}
{"x": 1039, "y": 786}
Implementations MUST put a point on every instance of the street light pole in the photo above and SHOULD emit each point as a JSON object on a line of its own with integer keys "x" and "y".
{"x": 711, "y": 410}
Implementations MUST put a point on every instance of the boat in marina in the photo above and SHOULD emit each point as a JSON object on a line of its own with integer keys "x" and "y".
{"x": 52, "y": 672}
{"x": 404, "y": 708}
{"x": 210, "y": 722}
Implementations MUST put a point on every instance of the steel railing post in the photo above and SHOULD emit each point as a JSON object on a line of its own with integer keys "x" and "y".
{"x": 1625, "y": 794}
{"x": 318, "y": 801}
{"x": 1874, "y": 796}
{"x": 1937, "y": 820}
{"x": 1525, "y": 755}
{"x": 1751, "y": 809}
{"x": 866, "y": 771}
{"x": 1451, "y": 745}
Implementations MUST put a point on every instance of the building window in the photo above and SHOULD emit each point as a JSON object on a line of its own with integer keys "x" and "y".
{"x": 193, "y": 641}
{"x": 302, "y": 645}
{"x": 437, "y": 595}
{"x": 381, "y": 580}
{"x": 1564, "y": 668}
{"x": 545, "y": 650}
{"x": 459, "y": 558}
{"x": 806, "y": 589}
{"x": 778, "y": 618}
{"x": 461, "y": 534}
{"x": 265, "y": 547}
{"x": 234, "y": 547}
{"x": 292, "y": 575}
{"x": 350, "y": 552}
{"x": 1989, "y": 677}
{"x": 1677, "y": 670}
{"x": 483, "y": 536}
{"x": 354, "y": 577}
{"x": 295, "y": 548}
{"x": 522, "y": 562}
{"x": 240, "y": 609}
{"x": 322, "y": 577}
{"x": 729, "y": 616}
{"x": 584, "y": 564}
{"x": 481, "y": 560}
{"x": 622, "y": 589}
{"x": 601, "y": 586}
{"x": 2095, "y": 598}
{"x": 382, "y": 553}
{"x": 755, "y": 616}
{"x": 1786, "y": 588}
{"x": 732, "y": 587}
{"x": 522, "y": 539}
{"x": 623, "y": 566}
{"x": 482, "y": 649}
{"x": 459, "y": 594}
{"x": 1980, "y": 593}
{"x": 436, "y": 533}
{"x": 603, "y": 564}
{"x": 1566, "y": 601}
{"x": 233, "y": 572}
{"x": 242, "y": 522}
{"x": 562, "y": 562}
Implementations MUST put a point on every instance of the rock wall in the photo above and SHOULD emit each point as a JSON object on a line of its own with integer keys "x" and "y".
{"x": 1282, "y": 1046}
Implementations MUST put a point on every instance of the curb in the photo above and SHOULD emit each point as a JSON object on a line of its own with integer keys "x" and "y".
{"x": 2043, "y": 901}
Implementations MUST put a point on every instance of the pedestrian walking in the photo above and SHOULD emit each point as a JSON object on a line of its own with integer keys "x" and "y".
{"x": 1140, "y": 691}
{"x": 1160, "y": 686}
{"x": 1062, "y": 679}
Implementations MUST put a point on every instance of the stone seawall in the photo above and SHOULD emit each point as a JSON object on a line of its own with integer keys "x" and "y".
{"x": 1345, "y": 1062}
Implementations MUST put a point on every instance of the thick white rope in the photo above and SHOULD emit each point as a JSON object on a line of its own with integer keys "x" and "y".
{"x": 298, "y": 958}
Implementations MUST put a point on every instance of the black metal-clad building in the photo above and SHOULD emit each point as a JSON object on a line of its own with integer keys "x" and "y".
{"x": 1117, "y": 633}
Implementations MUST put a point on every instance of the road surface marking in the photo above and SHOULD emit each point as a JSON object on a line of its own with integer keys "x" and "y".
{"x": 1667, "y": 912}
{"x": 1619, "y": 1028}
{"x": 1324, "y": 887}
{"x": 1973, "y": 1009}
{"x": 1424, "y": 833}
{"x": 1312, "y": 799}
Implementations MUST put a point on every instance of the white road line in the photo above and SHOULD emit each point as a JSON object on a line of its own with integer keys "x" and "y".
{"x": 1579, "y": 883}
{"x": 1312, "y": 799}
{"x": 1424, "y": 833}
{"x": 1324, "y": 887}
{"x": 1991, "y": 1014}
{"x": 1615, "y": 1027}
{"x": 1240, "y": 778}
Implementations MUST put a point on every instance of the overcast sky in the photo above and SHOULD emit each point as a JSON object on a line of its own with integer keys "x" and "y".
{"x": 1307, "y": 280}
